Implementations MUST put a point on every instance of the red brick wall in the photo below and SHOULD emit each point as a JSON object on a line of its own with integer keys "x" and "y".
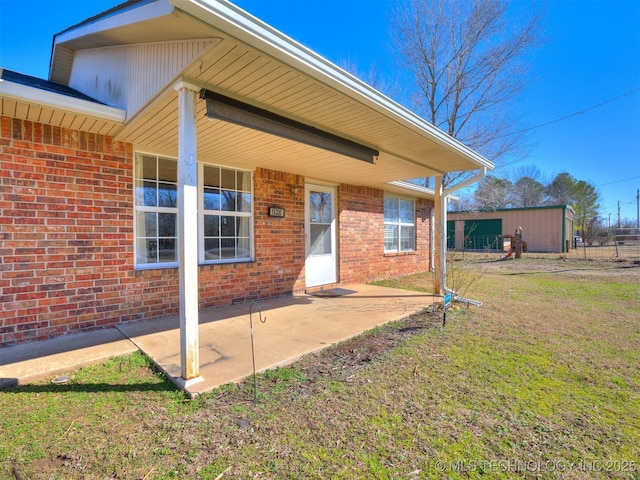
{"x": 279, "y": 245}
{"x": 361, "y": 223}
{"x": 66, "y": 232}
{"x": 66, "y": 238}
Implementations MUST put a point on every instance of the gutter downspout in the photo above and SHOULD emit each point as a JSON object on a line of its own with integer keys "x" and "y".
{"x": 440, "y": 225}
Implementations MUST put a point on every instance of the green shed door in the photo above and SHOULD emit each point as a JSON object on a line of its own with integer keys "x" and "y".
{"x": 482, "y": 234}
{"x": 451, "y": 234}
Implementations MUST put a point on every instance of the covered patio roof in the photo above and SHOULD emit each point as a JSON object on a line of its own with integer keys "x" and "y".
{"x": 247, "y": 60}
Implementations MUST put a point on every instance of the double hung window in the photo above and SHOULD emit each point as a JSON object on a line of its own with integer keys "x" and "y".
{"x": 156, "y": 211}
{"x": 399, "y": 225}
{"x": 226, "y": 224}
{"x": 225, "y": 213}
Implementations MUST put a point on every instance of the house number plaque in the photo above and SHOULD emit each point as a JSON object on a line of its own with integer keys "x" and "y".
{"x": 276, "y": 212}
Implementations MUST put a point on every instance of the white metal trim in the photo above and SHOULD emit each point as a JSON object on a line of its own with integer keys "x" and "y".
{"x": 44, "y": 98}
{"x": 248, "y": 29}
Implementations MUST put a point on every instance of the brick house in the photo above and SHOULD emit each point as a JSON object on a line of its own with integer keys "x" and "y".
{"x": 184, "y": 155}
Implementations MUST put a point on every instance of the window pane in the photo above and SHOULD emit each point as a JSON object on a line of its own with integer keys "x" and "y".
{"x": 140, "y": 192}
{"x": 147, "y": 250}
{"x": 228, "y": 226}
{"x": 211, "y": 249}
{"x": 211, "y": 176}
{"x": 244, "y": 202}
{"x": 390, "y": 209}
{"x": 211, "y": 226}
{"x": 167, "y": 224}
{"x": 320, "y": 239}
{"x": 149, "y": 194}
{"x": 391, "y": 237}
{"x": 228, "y": 248}
{"x": 242, "y": 225}
{"x": 406, "y": 211}
{"x": 228, "y": 201}
{"x": 167, "y": 250}
{"x": 211, "y": 199}
{"x": 148, "y": 169}
{"x": 407, "y": 238}
{"x": 167, "y": 195}
{"x": 244, "y": 248}
{"x": 145, "y": 224}
{"x": 244, "y": 181}
{"x": 228, "y": 179}
{"x": 167, "y": 170}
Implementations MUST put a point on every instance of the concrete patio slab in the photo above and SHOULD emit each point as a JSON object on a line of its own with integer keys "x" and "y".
{"x": 294, "y": 326}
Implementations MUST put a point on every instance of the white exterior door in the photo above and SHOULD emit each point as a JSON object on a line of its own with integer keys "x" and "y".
{"x": 320, "y": 228}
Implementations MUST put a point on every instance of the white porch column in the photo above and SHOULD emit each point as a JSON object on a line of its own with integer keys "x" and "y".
{"x": 188, "y": 233}
{"x": 439, "y": 238}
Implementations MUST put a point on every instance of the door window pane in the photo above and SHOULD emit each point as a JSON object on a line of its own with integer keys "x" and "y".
{"x": 320, "y": 239}
{"x": 320, "y": 207}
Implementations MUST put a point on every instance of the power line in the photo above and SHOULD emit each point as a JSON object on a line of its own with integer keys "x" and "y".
{"x": 580, "y": 112}
{"x": 618, "y": 181}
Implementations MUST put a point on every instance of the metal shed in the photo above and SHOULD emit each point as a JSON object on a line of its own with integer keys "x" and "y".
{"x": 545, "y": 229}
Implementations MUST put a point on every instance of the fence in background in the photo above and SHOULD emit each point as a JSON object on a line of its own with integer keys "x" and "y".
{"x": 622, "y": 244}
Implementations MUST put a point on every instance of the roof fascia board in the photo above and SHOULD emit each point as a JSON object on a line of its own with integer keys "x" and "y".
{"x": 412, "y": 187}
{"x": 55, "y": 100}
{"x": 248, "y": 29}
{"x": 519, "y": 209}
{"x": 145, "y": 10}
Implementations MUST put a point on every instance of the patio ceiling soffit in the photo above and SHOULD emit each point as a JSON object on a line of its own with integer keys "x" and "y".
{"x": 237, "y": 23}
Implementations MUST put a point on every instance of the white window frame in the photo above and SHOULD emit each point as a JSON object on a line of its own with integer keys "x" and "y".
{"x": 202, "y": 212}
{"x": 151, "y": 209}
{"x": 400, "y": 224}
{"x": 138, "y": 155}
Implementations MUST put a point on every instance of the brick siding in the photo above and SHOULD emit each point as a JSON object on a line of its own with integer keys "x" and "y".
{"x": 362, "y": 257}
{"x": 66, "y": 233}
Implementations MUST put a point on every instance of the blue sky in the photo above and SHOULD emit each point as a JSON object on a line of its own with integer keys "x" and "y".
{"x": 592, "y": 56}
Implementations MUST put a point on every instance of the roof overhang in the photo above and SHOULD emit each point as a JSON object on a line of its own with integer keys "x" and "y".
{"x": 251, "y": 62}
{"x": 36, "y": 104}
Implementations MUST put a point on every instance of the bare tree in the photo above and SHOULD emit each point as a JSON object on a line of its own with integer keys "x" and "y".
{"x": 492, "y": 193}
{"x": 527, "y": 192}
{"x": 467, "y": 57}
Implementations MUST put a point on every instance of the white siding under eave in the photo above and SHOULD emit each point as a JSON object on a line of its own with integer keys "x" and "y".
{"x": 127, "y": 77}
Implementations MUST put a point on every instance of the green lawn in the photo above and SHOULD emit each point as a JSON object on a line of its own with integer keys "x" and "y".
{"x": 541, "y": 381}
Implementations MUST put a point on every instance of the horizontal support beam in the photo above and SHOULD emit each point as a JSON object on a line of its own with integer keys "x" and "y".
{"x": 239, "y": 113}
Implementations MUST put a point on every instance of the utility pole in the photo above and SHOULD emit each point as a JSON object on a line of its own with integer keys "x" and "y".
{"x": 618, "y": 213}
{"x": 638, "y": 209}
